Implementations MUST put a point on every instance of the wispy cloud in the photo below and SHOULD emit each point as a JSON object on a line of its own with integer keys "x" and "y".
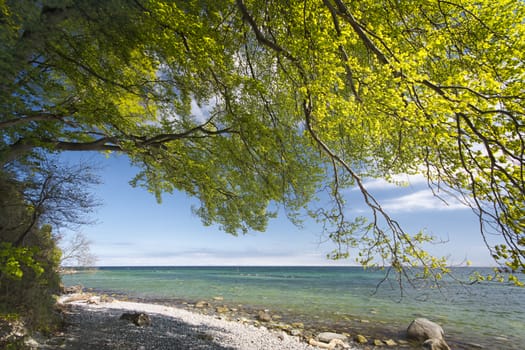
{"x": 394, "y": 198}
{"x": 201, "y": 112}
{"x": 216, "y": 253}
{"x": 396, "y": 182}
{"x": 422, "y": 200}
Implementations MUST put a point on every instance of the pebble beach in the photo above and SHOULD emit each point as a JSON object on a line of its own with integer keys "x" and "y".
{"x": 98, "y": 325}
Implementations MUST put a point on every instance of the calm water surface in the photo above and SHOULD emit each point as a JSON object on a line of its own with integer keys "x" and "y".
{"x": 489, "y": 314}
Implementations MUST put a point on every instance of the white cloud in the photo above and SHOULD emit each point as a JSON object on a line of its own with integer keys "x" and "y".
{"x": 421, "y": 197}
{"x": 422, "y": 200}
{"x": 202, "y": 111}
{"x": 396, "y": 182}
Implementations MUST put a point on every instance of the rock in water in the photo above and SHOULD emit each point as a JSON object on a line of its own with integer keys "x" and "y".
{"x": 361, "y": 339}
{"x": 221, "y": 309}
{"x": 390, "y": 342}
{"x": 378, "y": 342}
{"x": 428, "y": 332}
{"x": 422, "y": 329}
{"x": 202, "y": 304}
{"x": 140, "y": 319}
{"x": 263, "y": 316}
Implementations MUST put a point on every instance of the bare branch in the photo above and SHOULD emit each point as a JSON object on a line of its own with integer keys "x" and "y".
{"x": 77, "y": 251}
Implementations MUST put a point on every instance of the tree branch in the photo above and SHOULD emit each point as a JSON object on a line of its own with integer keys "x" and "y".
{"x": 102, "y": 144}
{"x": 107, "y": 143}
{"x": 30, "y": 118}
{"x": 342, "y": 51}
{"x": 345, "y": 13}
{"x": 259, "y": 35}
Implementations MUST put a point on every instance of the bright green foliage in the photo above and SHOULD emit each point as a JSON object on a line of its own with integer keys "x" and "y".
{"x": 12, "y": 259}
{"x": 294, "y": 96}
{"x": 30, "y": 279}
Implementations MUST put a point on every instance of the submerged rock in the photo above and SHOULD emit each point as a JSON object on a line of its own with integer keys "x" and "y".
{"x": 378, "y": 342}
{"x": 221, "y": 309}
{"x": 390, "y": 342}
{"x": 361, "y": 339}
{"x": 263, "y": 316}
{"x": 202, "y": 304}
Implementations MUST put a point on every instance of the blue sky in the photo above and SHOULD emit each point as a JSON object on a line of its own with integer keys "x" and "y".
{"x": 132, "y": 229}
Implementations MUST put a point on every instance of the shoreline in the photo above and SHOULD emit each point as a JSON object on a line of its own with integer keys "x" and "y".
{"x": 94, "y": 323}
{"x": 372, "y": 333}
{"x": 371, "y": 330}
{"x": 377, "y": 335}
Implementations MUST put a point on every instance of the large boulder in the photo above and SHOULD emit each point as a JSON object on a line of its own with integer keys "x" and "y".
{"x": 422, "y": 329}
{"x": 428, "y": 332}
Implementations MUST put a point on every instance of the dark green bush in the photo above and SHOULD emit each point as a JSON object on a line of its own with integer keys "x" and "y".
{"x": 29, "y": 276}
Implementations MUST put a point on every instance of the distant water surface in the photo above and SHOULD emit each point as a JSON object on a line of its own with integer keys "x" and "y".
{"x": 489, "y": 314}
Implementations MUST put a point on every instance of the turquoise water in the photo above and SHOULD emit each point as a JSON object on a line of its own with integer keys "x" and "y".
{"x": 489, "y": 314}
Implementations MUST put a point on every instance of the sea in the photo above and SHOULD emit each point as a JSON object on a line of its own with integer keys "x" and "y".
{"x": 487, "y": 315}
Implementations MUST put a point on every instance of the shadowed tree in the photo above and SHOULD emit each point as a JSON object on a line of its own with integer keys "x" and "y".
{"x": 38, "y": 199}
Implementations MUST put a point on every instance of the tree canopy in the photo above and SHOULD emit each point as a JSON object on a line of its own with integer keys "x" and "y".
{"x": 249, "y": 105}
